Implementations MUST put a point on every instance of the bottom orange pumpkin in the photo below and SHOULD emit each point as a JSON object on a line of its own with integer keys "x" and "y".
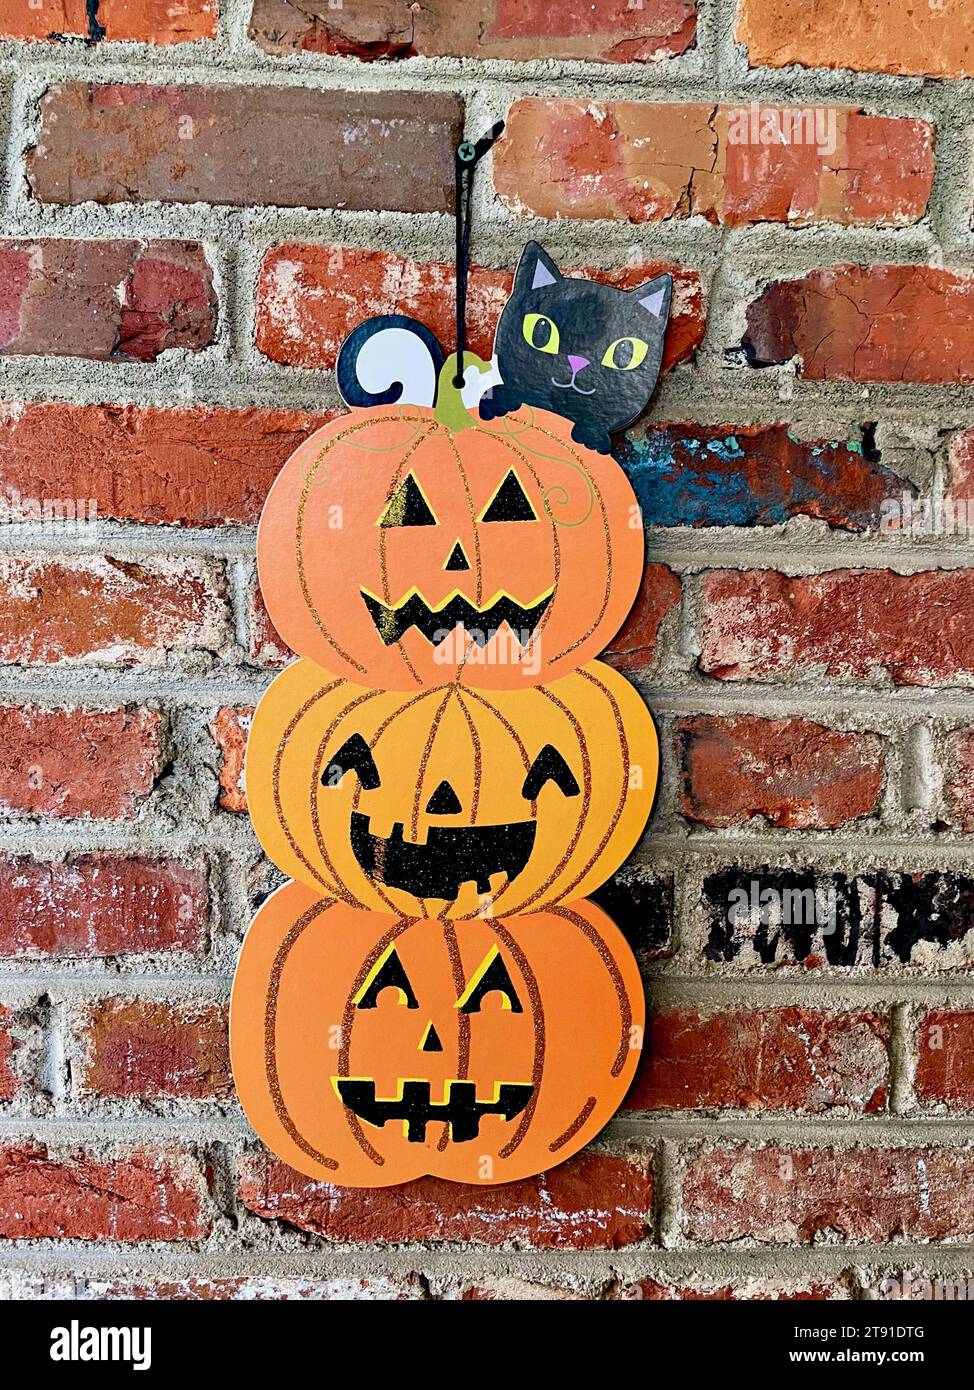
{"x": 368, "y": 1050}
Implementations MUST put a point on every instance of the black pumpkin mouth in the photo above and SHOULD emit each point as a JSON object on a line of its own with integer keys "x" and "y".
{"x": 393, "y": 621}
{"x": 451, "y": 856}
{"x": 460, "y": 1109}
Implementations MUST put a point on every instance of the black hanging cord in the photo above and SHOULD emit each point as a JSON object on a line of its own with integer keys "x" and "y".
{"x": 467, "y": 158}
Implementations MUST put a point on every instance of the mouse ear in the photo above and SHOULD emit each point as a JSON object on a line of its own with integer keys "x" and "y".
{"x": 655, "y": 297}
{"x": 535, "y": 269}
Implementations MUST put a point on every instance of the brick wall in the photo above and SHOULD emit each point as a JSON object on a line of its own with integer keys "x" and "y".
{"x": 199, "y": 199}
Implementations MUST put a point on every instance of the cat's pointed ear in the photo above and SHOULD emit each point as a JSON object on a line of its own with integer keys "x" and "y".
{"x": 535, "y": 269}
{"x": 655, "y": 297}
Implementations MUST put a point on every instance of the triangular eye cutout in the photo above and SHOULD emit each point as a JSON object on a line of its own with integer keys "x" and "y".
{"x": 549, "y": 766}
{"x": 492, "y": 974}
{"x": 353, "y": 756}
{"x": 387, "y": 973}
{"x": 509, "y": 502}
{"x": 407, "y": 506}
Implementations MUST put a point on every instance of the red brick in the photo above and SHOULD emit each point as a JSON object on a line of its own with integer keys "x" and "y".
{"x": 871, "y": 36}
{"x": 151, "y": 1051}
{"x": 9, "y": 1083}
{"x": 108, "y": 612}
{"x": 594, "y": 1201}
{"x": 141, "y": 1196}
{"x": 798, "y": 775}
{"x": 945, "y": 1059}
{"x": 124, "y": 301}
{"x": 77, "y": 762}
{"x": 138, "y": 21}
{"x": 851, "y": 624}
{"x": 867, "y": 323}
{"x": 230, "y": 728}
{"x": 958, "y": 509}
{"x": 745, "y": 1291}
{"x": 100, "y": 905}
{"x": 192, "y": 466}
{"x": 309, "y": 298}
{"x": 797, "y": 1196}
{"x": 601, "y": 31}
{"x": 267, "y": 646}
{"x": 641, "y": 162}
{"x": 279, "y": 146}
{"x": 801, "y": 1060}
{"x": 636, "y": 644}
{"x": 959, "y": 777}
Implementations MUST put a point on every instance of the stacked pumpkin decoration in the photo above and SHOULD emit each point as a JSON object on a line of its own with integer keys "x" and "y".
{"x": 445, "y": 773}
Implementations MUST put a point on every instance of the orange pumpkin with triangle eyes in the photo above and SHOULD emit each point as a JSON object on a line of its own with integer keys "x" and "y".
{"x": 399, "y": 553}
{"x": 369, "y": 1050}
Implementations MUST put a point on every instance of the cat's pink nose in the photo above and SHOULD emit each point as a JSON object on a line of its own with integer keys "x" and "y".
{"x": 577, "y": 363}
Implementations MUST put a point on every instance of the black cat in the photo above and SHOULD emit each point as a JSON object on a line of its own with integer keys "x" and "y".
{"x": 586, "y": 351}
{"x": 577, "y": 348}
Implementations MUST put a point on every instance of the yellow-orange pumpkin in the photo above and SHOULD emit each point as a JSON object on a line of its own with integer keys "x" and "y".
{"x": 401, "y": 554}
{"x": 368, "y": 1050}
{"x": 450, "y": 802}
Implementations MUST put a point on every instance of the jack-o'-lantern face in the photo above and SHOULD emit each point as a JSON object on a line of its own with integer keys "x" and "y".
{"x": 450, "y": 802}
{"x": 399, "y": 554}
{"x": 369, "y": 1049}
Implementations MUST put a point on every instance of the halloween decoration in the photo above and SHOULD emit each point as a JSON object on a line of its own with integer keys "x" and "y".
{"x": 450, "y": 802}
{"x": 587, "y": 351}
{"x": 369, "y": 1049}
{"x": 399, "y": 553}
{"x": 446, "y": 770}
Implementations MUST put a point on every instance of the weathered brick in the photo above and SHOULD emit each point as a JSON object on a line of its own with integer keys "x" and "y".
{"x": 594, "y": 1201}
{"x": 794, "y": 1195}
{"x": 125, "y": 301}
{"x": 103, "y": 611}
{"x": 745, "y": 1291}
{"x": 281, "y": 146}
{"x": 77, "y": 762}
{"x": 309, "y": 298}
{"x": 794, "y": 1059}
{"x": 253, "y": 1288}
{"x": 641, "y": 903}
{"x": 956, "y": 514}
{"x": 602, "y": 31}
{"x": 766, "y": 918}
{"x": 796, "y": 774}
{"x": 867, "y": 323}
{"x": 911, "y": 629}
{"x": 945, "y": 1059}
{"x": 635, "y": 645}
{"x": 641, "y": 162}
{"x": 959, "y": 777}
{"x": 230, "y": 728}
{"x": 138, "y": 21}
{"x": 754, "y": 475}
{"x": 267, "y": 646}
{"x": 9, "y": 1082}
{"x": 100, "y": 905}
{"x": 870, "y": 36}
{"x": 136, "y": 1197}
{"x": 140, "y": 1048}
{"x": 189, "y": 466}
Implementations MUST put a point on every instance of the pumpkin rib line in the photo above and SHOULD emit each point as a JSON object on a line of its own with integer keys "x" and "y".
{"x": 611, "y": 965}
{"x": 574, "y": 1127}
{"x": 540, "y": 1036}
{"x": 270, "y": 1033}
{"x": 337, "y": 887}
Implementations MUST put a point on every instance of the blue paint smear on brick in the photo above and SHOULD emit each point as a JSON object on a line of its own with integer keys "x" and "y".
{"x": 670, "y": 494}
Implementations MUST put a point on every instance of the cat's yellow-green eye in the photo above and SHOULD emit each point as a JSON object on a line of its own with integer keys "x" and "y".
{"x": 539, "y": 332}
{"x": 625, "y": 354}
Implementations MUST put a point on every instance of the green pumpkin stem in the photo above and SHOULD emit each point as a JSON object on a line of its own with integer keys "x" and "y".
{"x": 450, "y": 409}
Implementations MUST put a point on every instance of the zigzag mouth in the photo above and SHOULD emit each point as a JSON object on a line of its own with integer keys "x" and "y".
{"x": 393, "y": 621}
{"x": 460, "y": 1109}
